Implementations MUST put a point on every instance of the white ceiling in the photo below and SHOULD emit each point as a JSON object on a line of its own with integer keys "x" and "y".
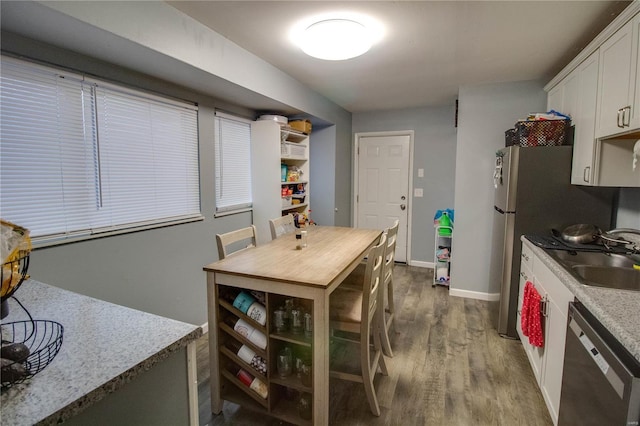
{"x": 430, "y": 47}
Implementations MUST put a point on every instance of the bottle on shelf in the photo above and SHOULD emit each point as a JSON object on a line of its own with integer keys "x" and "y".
{"x": 247, "y": 354}
{"x": 255, "y": 384}
{"x": 243, "y": 328}
{"x": 248, "y": 305}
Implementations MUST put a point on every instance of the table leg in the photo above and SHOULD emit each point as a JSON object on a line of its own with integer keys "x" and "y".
{"x": 214, "y": 365}
{"x": 321, "y": 358}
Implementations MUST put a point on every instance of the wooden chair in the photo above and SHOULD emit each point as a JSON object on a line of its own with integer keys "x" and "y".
{"x": 282, "y": 225}
{"x": 230, "y": 242}
{"x": 387, "y": 287}
{"x": 360, "y": 313}
{"x": 386, "y": 293}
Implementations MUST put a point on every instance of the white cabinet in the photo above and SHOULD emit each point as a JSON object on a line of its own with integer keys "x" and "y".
{"x": 617, "y": 103}
{"x": 547, "y": 362}
{"x": 583, "y": 168}
{"x": 272, "y": 146}
{"x": 564, "y": 97}
{"x": 534, "y": 353}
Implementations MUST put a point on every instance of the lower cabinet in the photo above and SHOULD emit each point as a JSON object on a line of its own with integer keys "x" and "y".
{"x": 547, "y": 361}
{"x": 266, "y": 353}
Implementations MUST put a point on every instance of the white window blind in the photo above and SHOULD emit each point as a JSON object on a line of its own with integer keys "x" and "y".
{"x": 80, "y": 157}
{"x": 148, "y": 152}
{"x": 232, "y": 163}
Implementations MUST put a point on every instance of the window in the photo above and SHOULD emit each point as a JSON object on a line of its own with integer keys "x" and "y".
{"x": 81, "y": 157}
{"x": 232, "y": 163}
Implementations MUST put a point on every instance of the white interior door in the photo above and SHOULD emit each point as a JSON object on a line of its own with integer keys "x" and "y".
{"x": 382, "y": 196}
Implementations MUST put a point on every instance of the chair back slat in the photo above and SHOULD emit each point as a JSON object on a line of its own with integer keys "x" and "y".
{"x": 228, "y": 243}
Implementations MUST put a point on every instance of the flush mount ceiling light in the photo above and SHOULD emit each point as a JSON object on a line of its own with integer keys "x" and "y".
{"x": 336, "y": 39}
{"x": 336, "y": 36}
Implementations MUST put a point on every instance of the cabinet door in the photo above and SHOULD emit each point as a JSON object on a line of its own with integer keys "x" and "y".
{"x": 635, "y": 108}
{"x": 533, "y": 353}
{"x": 584, "y": 144}
{"x": 554, "y": 98}
{"x": 617, "y": 82}
{"x": 555, "y": 310}
{"x": 564, "y": 97}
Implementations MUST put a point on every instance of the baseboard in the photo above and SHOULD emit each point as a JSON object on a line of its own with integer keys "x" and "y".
{"x": 467, "y": 294}
{"x": 421, "y": 264}
{"x": 205, "y": 328}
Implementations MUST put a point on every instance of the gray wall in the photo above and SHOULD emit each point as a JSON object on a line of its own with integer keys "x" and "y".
{"x": 485, "y": 113}
{"x": 435, "y": 151}
{"x": 629, "y": 208}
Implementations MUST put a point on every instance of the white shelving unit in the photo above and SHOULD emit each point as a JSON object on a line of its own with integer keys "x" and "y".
{"x": 271, "y": 146}
{"x": 442, "y": 255}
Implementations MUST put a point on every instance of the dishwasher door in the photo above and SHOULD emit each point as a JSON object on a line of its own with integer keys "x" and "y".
{"x": 600, "y": 384}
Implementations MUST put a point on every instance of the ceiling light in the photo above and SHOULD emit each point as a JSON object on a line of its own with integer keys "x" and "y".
{"x": 336, "y": 39}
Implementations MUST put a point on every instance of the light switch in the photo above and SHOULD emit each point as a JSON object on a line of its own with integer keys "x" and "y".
{"x": 417, "y": 192}
{"x": 420, "y": 174}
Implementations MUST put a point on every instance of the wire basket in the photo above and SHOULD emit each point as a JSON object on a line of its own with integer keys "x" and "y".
{"x": 542, "y": 133}
{"x": 42, "y": 337}
{"x": 13, "y": 273}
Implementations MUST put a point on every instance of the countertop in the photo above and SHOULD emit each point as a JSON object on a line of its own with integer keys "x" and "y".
{"x": 104, "y": 346}
{"x": 617, "y": 310}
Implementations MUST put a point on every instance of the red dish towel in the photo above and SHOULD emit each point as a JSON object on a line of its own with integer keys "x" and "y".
{"x": 530, "y": 318}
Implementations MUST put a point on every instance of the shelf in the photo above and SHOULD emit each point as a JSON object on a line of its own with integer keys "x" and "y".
{"x": 298, "y": 339}
{"x": 293, "y": 158}
{"x": 294, "y": 183}
{"x": 292, "y": 382}
{"x": 294, "y": 206}
{"x": 235, "y": 359}
{"x": 231, "y": 332}
{"x": 245, "y": 389}
{"x": 230, "y": 308}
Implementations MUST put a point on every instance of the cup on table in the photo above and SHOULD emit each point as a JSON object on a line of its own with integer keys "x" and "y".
{"x": 285, "y": 362}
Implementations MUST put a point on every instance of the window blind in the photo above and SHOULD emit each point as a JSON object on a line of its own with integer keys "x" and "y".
{"x": 232, "y": 163}
{"x": 80, "y": 157}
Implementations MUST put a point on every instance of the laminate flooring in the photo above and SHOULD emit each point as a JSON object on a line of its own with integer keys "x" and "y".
{"x": 450, "y": 367}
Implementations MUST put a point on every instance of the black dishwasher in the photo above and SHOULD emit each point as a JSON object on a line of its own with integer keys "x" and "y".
{"x": 600, "y": 379}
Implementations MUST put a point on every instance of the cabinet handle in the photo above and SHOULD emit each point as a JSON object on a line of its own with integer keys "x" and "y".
{"x": 626, "y": 118}
{"x": 523, "y": 275}
{"x": 586, "y": 173}
{"x": 620, "y": 120}
{"x": 544, "y": 302}
{"x": 525, "y": 257}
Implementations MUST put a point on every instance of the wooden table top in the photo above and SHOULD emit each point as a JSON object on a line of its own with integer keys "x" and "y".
{"x": 330, "y": 250}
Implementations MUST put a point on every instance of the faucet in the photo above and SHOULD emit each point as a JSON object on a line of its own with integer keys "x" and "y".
{"x": 633, "y": 246}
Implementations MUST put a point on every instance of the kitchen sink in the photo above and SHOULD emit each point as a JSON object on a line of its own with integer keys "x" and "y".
{"x": 600, "y": 269}
{"x": 592, "y": 258}
{"x": 607, "y": 276}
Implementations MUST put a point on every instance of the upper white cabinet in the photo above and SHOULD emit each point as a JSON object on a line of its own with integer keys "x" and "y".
{"x": 600, "y": 90}
{"x": 583, "y": 170}
{"x": 617, "y": 103}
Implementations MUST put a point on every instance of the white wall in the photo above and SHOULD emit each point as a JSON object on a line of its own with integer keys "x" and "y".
{"x": 434, "y": 151}
{"x": 485, "y": 112}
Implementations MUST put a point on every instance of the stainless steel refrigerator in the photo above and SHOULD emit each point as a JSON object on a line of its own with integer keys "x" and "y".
{"x": 533, "y": 195}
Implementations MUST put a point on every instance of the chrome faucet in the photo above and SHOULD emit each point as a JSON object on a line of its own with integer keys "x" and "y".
{"x": 634, "y": 246}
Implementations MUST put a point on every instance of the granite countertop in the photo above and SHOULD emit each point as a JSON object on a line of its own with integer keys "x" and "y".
{"x": 104, "y": 346}
{"x": 617, "y": 310}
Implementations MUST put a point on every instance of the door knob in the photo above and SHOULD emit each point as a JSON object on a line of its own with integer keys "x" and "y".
{"x": 402, "y": 207}
{"x": 403, "y": 198}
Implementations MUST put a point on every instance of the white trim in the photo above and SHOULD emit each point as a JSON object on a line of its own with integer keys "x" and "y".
{"x": 624, "y": 17}
{"x": 467, "y": 294}
{"x": 354, "y": 189}
{"x": 421, "y": 264}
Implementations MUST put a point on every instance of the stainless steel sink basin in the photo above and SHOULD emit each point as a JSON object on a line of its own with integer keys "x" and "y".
{"x": 600, "y": 269}
{"x": 592, "y": 259}
{"x": 610, "y": 277}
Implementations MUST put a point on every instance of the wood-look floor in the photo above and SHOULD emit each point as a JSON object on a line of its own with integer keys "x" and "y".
{"x": 450, "y": 368}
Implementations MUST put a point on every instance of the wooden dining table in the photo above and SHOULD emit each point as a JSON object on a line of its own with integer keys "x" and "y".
{"x": 279, "y": 268}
